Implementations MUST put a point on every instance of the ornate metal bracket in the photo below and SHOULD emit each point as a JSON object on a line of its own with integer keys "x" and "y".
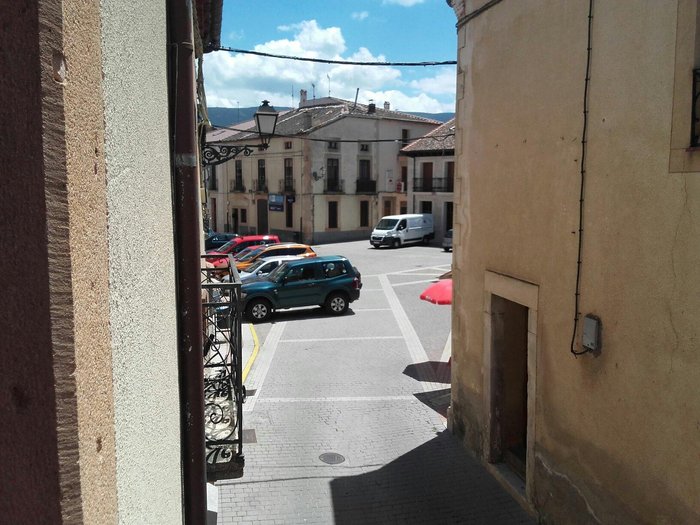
{"x": 213, "y": 154}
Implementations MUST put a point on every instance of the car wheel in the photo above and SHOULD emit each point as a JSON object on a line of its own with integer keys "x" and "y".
{"x": 376, "y": 246}
{"x": 259, "y": 310}
{"x": 337, "y": 303}
{"x": 396, "y": 243}
{"x": 426, "y": 240}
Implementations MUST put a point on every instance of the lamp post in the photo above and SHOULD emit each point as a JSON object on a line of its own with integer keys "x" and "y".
{"x": 219, "y": 152}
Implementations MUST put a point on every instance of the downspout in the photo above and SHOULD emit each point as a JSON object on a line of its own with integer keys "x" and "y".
{"x": 187, "y": 258}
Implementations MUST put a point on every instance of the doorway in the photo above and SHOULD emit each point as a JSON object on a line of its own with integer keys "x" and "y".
{"x": 509, "y": 383}
{"x": 262, "y": 216}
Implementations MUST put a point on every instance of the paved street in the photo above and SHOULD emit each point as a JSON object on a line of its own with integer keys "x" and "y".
{"x": 366, "y": 393}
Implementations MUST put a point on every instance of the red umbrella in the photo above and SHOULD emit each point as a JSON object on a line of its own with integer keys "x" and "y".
{"x": 439, "y": 292}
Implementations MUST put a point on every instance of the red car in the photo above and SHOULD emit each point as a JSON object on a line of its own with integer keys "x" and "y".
{"x": 240, "y": 243}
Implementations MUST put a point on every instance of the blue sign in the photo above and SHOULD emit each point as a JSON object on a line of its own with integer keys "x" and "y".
{"x": 275, "y": 202}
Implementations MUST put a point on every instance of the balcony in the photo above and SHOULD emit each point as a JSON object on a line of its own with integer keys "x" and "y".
{"x": 366, "y": 186}
{"x": 260, "y": 186}
{"x": 287, "y": 186}
{"x": 334, "y": 186}
{"x": 237, "y": 187}
{"x": 433, "y": 185}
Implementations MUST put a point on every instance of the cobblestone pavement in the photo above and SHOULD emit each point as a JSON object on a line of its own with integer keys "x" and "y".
{"x": 343, "y": 385}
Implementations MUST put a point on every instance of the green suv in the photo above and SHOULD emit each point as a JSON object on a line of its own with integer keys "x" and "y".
{"x": 329, "y": 281}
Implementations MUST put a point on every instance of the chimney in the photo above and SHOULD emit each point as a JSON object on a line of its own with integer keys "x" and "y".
{"x": 387, "y": 106}
{"x": 372, "y": 108}
{"x": 302, "y": 97}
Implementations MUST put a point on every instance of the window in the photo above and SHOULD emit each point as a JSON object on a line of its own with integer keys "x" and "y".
{"x": 449, "y": 210}
{"x": 288, "y": 174}
{"x": 333, "y": 174}
{"x": 365, "y": 170}
{"x": 450, "y": 172}
{"x": 426, "y": 206}
{"x": 262, "y": 183}
{"x": 287, "y": 144}
{"x": 301, "y": 273}
{"x": 333, "y": 145}
{"x": 364, "y": 213}
{"x": 244, "y": 216}
{"x": 427, "y": 172}
{"x": 403, "y": 207}
{"x": 333, "y": 214}
{"x": 404, "y": 137}
{"x": 333, "y": 269}
{"x": 364, "y": 147}
{"x": 212, "y": 180}
{"x": 404, "y": 177}
{"x": 238, "y": 183}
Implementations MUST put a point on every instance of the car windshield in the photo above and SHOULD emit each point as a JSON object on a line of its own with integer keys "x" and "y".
{"x": 277, "y": 273}
{"x": 257, "y": 264}
{"x": 251, "y": 254}
{"x": 386, "y": 224}
{"x": 228, "y": 246}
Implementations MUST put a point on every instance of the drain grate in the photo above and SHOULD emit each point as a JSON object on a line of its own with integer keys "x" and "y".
{"x": 332, "y": 458}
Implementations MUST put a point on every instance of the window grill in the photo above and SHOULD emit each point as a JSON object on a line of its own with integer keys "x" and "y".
{"x": 695, "y": 122}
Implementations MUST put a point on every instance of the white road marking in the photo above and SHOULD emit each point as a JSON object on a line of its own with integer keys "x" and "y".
{"x": 415, "y": 282}
{"x": 415, "y": 348}
{"x": 257, "y": 375}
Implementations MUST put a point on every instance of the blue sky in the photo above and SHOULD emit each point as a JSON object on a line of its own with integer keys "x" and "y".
{"x": 359, "y": 30}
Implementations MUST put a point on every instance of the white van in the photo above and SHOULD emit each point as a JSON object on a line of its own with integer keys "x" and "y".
{"x": 396, "y": 230}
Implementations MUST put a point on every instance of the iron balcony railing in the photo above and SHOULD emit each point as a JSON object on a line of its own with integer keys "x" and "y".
{"x": 366, "y": 186}
{"x": 224, "y": 393}
{"x": 433, "y": 185}
{"x": 260, "y": 186}
{"x": 237, "y": 187}
{"x": 334, "y": 185}
{"x": 286, "y": 186}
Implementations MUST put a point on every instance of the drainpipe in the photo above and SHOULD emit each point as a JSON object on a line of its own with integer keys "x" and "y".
{"x": 187, "y": 259}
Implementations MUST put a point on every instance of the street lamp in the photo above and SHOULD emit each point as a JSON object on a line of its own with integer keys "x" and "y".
{"x": 219, "y": 152}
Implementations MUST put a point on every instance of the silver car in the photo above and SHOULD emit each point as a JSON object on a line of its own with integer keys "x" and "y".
{"x": 447, "y": 241}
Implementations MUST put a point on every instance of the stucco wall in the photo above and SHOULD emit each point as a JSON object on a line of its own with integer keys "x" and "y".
{"x": 141, "y": 262}
{"x": 613, "y": 435}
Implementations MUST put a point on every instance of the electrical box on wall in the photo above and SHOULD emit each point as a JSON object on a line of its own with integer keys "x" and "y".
{"x": 591, "y": 334}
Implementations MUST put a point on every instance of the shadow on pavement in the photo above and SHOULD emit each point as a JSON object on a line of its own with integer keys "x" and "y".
{"x": 438, "y": 482}
{"x": 438, "y": 400}
{"x": 429, "y": 371}
{"x": 302, "y": 313}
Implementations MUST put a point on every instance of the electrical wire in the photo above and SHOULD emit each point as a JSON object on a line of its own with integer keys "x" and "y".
{"x": 341, "y": 62}
{"x": 584, "y": 142}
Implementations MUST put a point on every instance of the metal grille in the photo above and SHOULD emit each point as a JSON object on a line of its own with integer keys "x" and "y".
{"x": 224, "y": 393}
{"x": 695, "y": 123}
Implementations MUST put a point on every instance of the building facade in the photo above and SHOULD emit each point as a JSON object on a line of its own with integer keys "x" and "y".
{"x": 90, "y": 382}
{"x": 332, "y": 169}
{"x": 576, "y": 260}
{"x": 431, "y": 163}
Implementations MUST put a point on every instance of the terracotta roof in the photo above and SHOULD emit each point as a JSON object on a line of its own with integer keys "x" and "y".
{"x": 313, "y": 115}
{"x": 441, "y": 139}
{"x": 208, "y": 17}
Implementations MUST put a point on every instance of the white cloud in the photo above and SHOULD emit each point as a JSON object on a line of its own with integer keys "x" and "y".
{"x": 443, "y": 83}
{"x": 360, "y": 15}
{"x": 404, "y": 3}
{"x": 245, "y": 80}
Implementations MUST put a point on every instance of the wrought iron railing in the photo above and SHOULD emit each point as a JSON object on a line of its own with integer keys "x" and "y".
{"x": 433, "y": 184}
{"x": 224, "y": 393}
{"x": 334, "y": 185}
{"x": 695, "y": 120}
{"x": 366, "y": 186}
{"x": 260, "y": 186}
{"x": 237, "y": 187}
{"x": 286, "y": 185}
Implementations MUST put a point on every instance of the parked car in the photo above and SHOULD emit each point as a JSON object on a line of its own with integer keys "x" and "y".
{"x": 263, "y": 266}
{"x": 397, "y": 230}
{"x": 217, "y": 240}
{"x": 287, "y": 248}
{"x": 447, "y": 241}
{"x": 329, "y": 281}
{"x": 240, "y": 243}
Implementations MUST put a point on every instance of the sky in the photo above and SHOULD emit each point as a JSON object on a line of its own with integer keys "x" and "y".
{"x": 357, "y": 30}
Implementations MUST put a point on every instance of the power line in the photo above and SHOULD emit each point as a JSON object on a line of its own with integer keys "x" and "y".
{"x": 341, "y": 62}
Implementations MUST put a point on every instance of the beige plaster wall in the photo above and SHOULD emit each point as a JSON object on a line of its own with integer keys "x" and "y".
{"x": 141, "y": 262}
{"x": 614, "y": 435}
{"x": 89, "y": 279}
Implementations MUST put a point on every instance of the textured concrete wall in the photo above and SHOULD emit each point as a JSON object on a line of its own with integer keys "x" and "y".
{"x": 614, "y": 435}
{"x": 141, "y": 260}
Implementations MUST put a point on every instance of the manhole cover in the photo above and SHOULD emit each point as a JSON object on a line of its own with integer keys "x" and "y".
{"x": 331, "y": 458}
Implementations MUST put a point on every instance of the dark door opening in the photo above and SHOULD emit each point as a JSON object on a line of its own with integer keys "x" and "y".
{"x": 509, "y": 380}
{"x": 262, "y": 216}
